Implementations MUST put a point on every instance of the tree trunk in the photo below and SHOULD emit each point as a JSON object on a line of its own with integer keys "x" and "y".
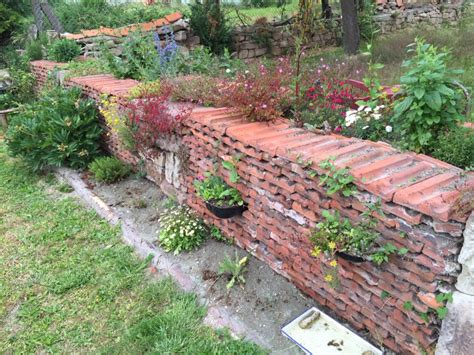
{"x": 326, "y": 9}
{"x": 350, "y": 27}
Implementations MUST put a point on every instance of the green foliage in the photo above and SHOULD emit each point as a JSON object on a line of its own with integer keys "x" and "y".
{"x": 9, "y": 19}
{"x": 455, "y": 147}
{"x": 36, "y": 49}
{"x": 337, "y": 179}
{"x": 63, "y": 50}
{"x": 217, "y": 234}
{"x": 367, "y": 25}
{"x": 181, "y": 230}
{"x": 213, "y": 189}
{"x": 108, "y": 169}
{"x": 234, "y": 268}
{"x": 88, "y": 14}
{"x": 230, "y": 165}
{"x": 433, "y": 314}
{"x": 86, "y": 67}
{"x": 337, "y": 234}
{"x": 210, "y": 23}
{"x": 91, "y": 293}
{"x": 59, "y": 129}
{"x": 140, "y": 60}
{"x": 22, "y": 83}
{"x": 431, "y": 101}
{"x": 382, "y": 255}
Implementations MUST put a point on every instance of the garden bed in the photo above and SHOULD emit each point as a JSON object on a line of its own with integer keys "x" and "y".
{"x": 285, "y": 202}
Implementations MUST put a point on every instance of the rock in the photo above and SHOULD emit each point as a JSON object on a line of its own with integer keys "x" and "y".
{"x": 457, "y": 331}
{"x": 465, "y": 282}
{"x": 180, "y": 36}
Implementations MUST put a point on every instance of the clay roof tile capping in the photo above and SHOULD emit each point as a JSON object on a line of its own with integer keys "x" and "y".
{"x": 124, "y": 31}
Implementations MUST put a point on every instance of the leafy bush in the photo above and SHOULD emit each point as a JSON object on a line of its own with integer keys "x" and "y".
{"x": 86, "y": 67}
{"x": 63, "y": 50}
{"x": 181, "y": 230}
{"x": 9, "y": 19}
{"x": 21, "y": 90}
{"x": 456, "y": 147}
{"x": 58, "y": 129}
{"x": 431, "y": 102}
{"x": 210, "y": 23}
{"x": 213, "y": 189}
{"x": 108, "y": 169}
{"x": 88, "y": 14}
{"x": 258, "y": 3}
{"x": 36, "y": 49}
{"x": 144, "y": 57}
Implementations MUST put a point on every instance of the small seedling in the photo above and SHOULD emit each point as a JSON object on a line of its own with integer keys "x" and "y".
{"x": 65, "y": 188}
{"x": 217, "y": 234}
{"x": 139, "y": 203}
{"x": 337, "y": 179}
{"x": 234, "y": 268}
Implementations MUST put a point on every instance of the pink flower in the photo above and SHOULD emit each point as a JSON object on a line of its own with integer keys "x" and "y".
{"x": 338, "y": 129}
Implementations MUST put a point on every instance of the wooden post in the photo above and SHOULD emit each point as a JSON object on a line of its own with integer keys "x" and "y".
{"x": 350, "y": 27}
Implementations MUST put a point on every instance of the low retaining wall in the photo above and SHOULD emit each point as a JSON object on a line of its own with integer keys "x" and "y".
{"x": 93, "y": 40}
{"x": 391, "y": 17}
{"x": 418, "y": 195}
{"x": 277, "y": 39}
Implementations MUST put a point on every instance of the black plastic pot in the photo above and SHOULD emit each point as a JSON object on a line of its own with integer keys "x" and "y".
{"x": 224, "y": 211}
{"x": 349, "y": 257}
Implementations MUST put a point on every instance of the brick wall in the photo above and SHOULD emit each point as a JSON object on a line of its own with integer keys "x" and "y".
{"x": 419, "y": 197}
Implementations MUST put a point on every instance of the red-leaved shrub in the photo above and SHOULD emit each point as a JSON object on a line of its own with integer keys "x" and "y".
{"x": 152, "y": 116}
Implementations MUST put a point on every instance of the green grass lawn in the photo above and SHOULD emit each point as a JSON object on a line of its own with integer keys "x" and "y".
{"x": 68, "y": 284}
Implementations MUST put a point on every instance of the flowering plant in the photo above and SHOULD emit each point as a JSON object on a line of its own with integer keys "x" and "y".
{"x": 181, "y": 230}
{"x": 336, "y": 234}
{"x": 262, "y": 94}
{"x": 328, "y": 97}
{"x": 369, "y": 123}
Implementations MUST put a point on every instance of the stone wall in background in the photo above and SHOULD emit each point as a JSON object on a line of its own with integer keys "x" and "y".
{"x": 393, "y": 15}
{"x": 277, "y": 38}
{"x": 92, "y": 41}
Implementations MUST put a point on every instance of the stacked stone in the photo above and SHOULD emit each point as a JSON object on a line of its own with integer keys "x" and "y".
{"x": 391, "y": 16}
{"x": 92, "y": 41}
{"x": 276, "y": 39}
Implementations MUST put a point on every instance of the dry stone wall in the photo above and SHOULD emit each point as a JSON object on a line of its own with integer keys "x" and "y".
{"x": 394, "y": 15}
{"x": 419, "y": 197}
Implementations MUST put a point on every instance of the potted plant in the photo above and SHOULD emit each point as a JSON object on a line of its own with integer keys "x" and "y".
{"x": 336, "y": 236}
{"x": 221, "y": 199}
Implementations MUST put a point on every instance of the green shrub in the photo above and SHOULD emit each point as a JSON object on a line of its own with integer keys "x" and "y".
{"x": 456, "y": 147}
{"x": 181, "y": 230}
{"x": 108, "y": 169}
{"x": 22, "y": 82}
{"x": 431, "y": 102}
{"x": 60, "y": 129}
{"x": 210, "y": 23}
{"x": 63, "y": 50}
{"x": 9, "y": 21}
{"x": 88, "y": 14}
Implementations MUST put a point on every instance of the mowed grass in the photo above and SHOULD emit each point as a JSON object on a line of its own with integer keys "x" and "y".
{"x": 69, "y": 285}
